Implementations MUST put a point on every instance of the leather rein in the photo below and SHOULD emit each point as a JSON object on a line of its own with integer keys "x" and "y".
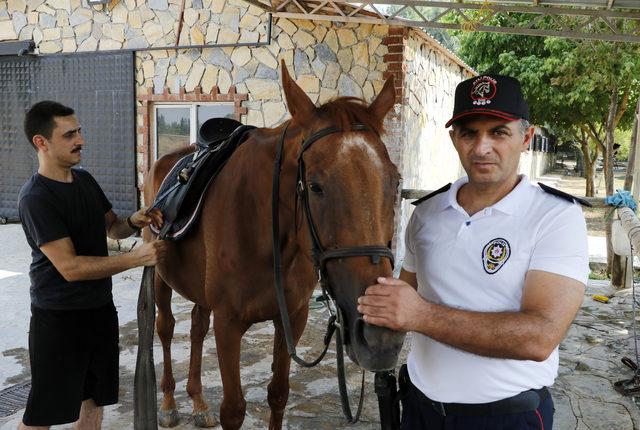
{"x": 320, "y": 254}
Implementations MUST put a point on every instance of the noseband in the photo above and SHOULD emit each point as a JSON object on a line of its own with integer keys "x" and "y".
{"x": 320, "y": 254}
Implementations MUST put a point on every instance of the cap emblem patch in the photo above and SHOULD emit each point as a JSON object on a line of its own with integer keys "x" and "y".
{"x": 495, "y": 254}
{"x": 483, "y": 90}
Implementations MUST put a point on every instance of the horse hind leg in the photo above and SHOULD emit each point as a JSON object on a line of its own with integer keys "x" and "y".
{"x": 168, "y": 415}
{"x": 202, "y": 415}
{"x": 228, "y": 332}
{"x": 278, "y": 389}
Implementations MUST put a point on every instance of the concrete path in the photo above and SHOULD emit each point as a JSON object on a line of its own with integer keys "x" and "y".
{"x": 585, "y": 399}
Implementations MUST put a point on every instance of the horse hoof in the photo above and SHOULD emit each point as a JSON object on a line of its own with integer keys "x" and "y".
{"x": 169, "y": 418}
{"x": 205, "y": 419}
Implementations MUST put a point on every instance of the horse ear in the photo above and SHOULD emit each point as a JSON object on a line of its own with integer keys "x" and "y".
{"x": 385, "y": 100}
{"x": 298, "y": 102}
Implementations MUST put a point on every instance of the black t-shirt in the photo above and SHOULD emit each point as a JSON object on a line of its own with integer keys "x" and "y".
{"x": 50, "y": 210}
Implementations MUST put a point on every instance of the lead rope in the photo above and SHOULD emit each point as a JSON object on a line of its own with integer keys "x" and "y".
{"x": 342, "y": 379}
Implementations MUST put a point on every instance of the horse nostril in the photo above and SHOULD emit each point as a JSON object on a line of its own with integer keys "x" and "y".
{"x": 374, "y": 336}
{"x": 371, "y": 335}
{"x": 360, "y": 332}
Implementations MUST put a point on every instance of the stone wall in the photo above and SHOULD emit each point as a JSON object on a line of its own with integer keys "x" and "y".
{"x": 73, "y": 25}
{"x": 326, "y": 60}
{"x": 429, "y": 160}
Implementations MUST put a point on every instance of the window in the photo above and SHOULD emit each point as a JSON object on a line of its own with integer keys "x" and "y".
{"x": 176, "y": 125}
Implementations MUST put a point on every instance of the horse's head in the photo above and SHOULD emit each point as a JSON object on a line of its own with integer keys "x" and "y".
{"x": 348, "y": 187}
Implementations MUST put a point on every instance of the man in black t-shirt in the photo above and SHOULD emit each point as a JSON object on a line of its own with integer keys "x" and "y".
{"x": 73, "y": 333}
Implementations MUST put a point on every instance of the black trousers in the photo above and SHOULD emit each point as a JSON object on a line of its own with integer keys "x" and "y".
{"x": 419, "y": 414}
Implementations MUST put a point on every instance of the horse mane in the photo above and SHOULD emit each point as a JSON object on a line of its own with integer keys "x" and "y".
{"x": 344, "y": 112}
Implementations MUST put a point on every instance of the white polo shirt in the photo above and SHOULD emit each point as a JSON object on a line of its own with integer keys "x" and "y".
{"x": 479, "y": 263}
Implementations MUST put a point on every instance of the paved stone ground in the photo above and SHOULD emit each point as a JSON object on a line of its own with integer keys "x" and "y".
{"x": 585, "y": 399}
{"x": 590, "y": 362}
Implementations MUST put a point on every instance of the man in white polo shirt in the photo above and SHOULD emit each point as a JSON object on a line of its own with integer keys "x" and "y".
{"x": 494, "y": 274}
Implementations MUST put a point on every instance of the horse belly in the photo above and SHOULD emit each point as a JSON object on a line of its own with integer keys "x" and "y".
{"x": 183, "y": 270}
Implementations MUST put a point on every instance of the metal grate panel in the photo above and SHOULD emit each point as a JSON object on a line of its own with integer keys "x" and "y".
{"x": 100, "y": 87}
{"x": 14, "y": 398}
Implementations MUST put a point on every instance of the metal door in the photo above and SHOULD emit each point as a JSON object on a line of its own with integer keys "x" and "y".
{"x": 100, "y": 87}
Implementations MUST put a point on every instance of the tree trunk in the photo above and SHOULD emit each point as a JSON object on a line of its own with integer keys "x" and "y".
{"x": 614, "y": 261}
{"x": 609, "y": 141}
{"x": 633, "y": 148}
{"x": 589, "y": 168}
{"x": 590, "y": 173}
{"x": 588, "y": 161}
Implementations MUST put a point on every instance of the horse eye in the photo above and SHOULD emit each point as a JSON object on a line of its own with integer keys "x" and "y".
{"x": 315, "y": 188}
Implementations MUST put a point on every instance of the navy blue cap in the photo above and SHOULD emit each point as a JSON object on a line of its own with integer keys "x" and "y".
{"x": 493, "y": 95}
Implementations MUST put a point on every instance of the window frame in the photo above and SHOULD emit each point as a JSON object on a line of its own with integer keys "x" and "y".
{"x": 193, "y": 118}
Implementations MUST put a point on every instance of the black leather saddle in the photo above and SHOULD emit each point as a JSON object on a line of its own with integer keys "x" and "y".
{"x": 181, "y": 192}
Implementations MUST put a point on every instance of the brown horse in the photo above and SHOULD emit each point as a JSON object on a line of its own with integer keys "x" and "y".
{"x": 225, "y": 264}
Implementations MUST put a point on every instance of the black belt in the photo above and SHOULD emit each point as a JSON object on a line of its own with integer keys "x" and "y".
{"x": 526, "y": 401}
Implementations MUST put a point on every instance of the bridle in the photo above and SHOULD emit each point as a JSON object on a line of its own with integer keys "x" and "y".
{"x": 320, "y": 254}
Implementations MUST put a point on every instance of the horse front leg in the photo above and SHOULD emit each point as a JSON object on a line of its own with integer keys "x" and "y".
{"x": 202, "y": 415}
{"x": 228, "y": 332}
{"x": 168, "y": 415}
{"x": 278, "y": 389}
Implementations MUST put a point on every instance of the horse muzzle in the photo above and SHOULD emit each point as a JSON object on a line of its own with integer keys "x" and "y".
{"x": 371, "y": 347}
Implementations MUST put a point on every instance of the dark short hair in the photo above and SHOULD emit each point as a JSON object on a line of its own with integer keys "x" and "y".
{"x": 40, "y": 118}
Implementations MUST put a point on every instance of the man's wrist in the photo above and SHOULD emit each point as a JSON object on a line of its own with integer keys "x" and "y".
{"x": 424, "y": 322}
{"x": 131, "y": 225}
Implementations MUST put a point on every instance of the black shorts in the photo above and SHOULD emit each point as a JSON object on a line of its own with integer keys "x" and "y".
{"x": 74, "y": 357}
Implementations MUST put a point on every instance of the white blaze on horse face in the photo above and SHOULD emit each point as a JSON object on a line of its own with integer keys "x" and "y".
{"x": 358, "y": 142}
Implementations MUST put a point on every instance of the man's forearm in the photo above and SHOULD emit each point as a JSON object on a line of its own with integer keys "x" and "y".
{"x": 516, "y": 335}
{"x": 548, "y": 306}
{"x": 120, "y": 229}
{"x": 81, "y": 268}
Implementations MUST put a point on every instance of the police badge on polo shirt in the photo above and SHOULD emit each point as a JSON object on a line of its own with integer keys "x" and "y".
{"x": 495, "y": 254}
